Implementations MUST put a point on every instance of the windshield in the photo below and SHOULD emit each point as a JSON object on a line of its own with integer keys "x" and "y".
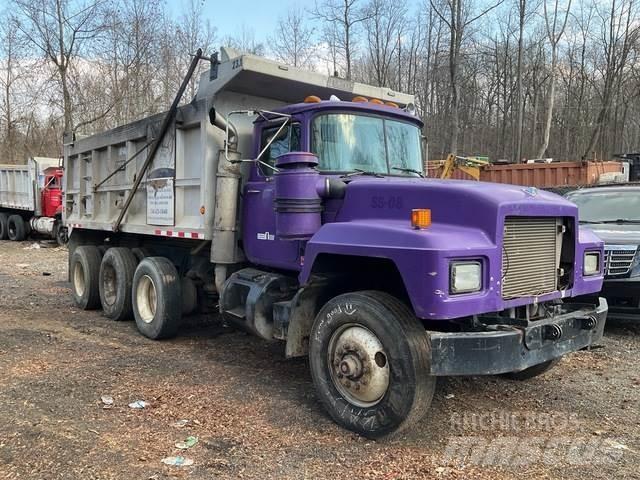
{"x": 607, "y": 206}
{"x": 347, "y": 142}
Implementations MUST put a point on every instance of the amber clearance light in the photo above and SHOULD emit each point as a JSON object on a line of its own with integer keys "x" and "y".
{"x": 420, "y": 218}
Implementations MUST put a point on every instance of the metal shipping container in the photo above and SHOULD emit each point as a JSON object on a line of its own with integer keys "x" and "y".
{"x": 541, "y": 175}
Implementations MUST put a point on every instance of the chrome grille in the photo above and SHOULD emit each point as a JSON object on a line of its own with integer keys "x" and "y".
{"x": 618, "y": 259}
{"x": 530, "y": 256}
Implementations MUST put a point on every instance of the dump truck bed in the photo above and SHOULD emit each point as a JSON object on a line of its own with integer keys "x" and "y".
{"x": 177, "y": 195}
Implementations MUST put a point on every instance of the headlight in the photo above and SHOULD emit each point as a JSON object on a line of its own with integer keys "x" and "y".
{"x": 465, "y": 277}
{"x": 591, "y": 263}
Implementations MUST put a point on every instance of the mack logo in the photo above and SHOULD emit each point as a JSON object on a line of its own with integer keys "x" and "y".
{"x": 530, "y": 191}
{"x": 266, "y": 236}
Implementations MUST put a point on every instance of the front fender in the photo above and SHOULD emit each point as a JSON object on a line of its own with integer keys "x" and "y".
{"x": 421, "y": 256}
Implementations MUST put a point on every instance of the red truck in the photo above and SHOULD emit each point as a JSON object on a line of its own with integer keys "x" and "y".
{"x": 31, "y": 200}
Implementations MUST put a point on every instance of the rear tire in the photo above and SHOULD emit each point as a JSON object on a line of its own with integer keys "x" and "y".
{"x": 4, "y": 227}
{"x": 157, "y": 298}
{"x": 85, "y": 276}
{"x": 17, "y": 230}
{"x": 369, "y": 358}
{"x": 116, "y": 280}
{"x": 531, "y": 372}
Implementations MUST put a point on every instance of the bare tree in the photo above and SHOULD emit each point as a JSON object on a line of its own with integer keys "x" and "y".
{"x": 522, "y": 15}
{"x": 620, "y": 33}
{"x": 344, "y": 15}
{"x": 555, "y": 29}
{"x": 293, "y": 42}
{"x": 192, "y": 33}
{"x": 456, "y": 14}
{"x": 384, "y": 27}
{"x": 245, "y": 41}
{"x": 59, "y": 29}
{"x": 11, "y": 74}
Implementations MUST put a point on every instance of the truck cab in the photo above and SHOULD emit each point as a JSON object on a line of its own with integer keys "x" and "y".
{"x": 51, "y": 202}
{"x": 295, "y": 202}
{"x": 347, "y": 137}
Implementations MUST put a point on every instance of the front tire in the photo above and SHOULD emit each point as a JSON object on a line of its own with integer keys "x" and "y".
{"x": 16, "y": 229}
{"x": 157, "y": 298}
{"x": 61, "y": 234}
{"x": 116, "y": 280}
{"x": 369, "y": 358}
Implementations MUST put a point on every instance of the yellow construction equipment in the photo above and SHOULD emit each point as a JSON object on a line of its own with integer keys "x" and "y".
{"x": 469, "y": 165}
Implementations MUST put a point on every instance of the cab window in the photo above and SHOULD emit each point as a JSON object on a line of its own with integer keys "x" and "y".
{"x": 288, "y": 140}
{"x": 52, "y": 182}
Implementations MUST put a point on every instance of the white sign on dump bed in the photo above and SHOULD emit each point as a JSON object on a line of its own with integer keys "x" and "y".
{"x": 161, "y": 183}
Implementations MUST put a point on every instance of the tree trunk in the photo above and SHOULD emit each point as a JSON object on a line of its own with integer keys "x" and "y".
{"x": 518, "y": 153}
{"x": 550, "y": 103}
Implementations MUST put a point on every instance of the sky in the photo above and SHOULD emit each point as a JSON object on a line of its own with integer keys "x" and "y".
{"x": 230, "y": 15}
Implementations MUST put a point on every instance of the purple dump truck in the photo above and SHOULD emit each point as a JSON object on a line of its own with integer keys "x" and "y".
{"x": 302, "y": 217}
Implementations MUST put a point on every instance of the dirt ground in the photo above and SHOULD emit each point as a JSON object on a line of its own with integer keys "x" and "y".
{"x": 256, "y": 415}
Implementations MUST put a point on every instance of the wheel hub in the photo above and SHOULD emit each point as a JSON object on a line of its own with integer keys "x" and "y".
{"x": 358, "y": 365}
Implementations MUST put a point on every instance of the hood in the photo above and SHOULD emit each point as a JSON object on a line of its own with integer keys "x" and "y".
{"x": 616, "y": 234}
{"x": 454, "y": 202}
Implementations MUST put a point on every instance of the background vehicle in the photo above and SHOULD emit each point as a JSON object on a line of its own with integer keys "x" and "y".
{"x": 31, "y": 200}
{"x": 308, "y": 222}
{"x": 613, "y": 213}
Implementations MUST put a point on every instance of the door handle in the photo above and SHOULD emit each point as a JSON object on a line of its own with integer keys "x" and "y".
{"x": 254, "y": 191}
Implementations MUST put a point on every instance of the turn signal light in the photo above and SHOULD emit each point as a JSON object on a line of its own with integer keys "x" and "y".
{"x": 420, "y": 218}
{"x": 360, "y": 99}
{"x": 312, "y": 99}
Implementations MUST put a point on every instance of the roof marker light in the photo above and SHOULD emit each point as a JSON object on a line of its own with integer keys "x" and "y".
{"x": 391, "y": 104}
{"x": 360, "y": 99}
{"x": 376, "y": 101}
{"x": 312, "y": 99}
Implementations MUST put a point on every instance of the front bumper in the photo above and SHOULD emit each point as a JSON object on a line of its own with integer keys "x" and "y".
{"x": 623, "y": 296}
{"x": 500, "y": 348}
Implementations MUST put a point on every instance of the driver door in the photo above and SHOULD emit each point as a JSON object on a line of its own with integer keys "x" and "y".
{"x": 261, "y": 244}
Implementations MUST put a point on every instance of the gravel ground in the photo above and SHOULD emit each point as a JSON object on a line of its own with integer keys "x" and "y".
{"x": 256, "y": 415}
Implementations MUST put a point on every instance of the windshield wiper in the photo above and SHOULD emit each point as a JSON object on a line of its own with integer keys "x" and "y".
{"x": 618, "y": 221}
{"x": 358, "y": 171}
{"x": 410, "y": 170}
{"x": 621, "y": 220}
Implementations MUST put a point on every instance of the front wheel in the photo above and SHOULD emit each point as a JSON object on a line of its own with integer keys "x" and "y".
{"x": 369, "y": 359}
{"x": 61, "y": 234}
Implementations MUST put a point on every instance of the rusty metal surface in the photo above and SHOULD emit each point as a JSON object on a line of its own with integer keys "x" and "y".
{"x": 540, "y": 175}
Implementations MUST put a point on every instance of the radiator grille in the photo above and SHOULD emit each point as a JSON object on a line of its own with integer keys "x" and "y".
{"x": 618, "y": 259}
{"x": 530, "y": 256}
